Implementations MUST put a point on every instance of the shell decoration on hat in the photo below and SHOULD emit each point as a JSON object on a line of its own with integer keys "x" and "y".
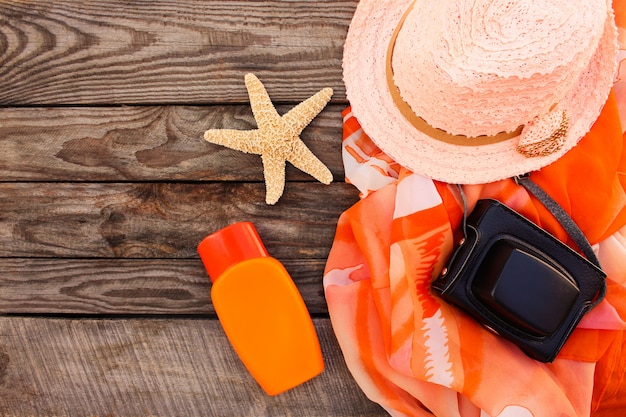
{"x": 277, "y": 138}
{"x": 544, "y": 135}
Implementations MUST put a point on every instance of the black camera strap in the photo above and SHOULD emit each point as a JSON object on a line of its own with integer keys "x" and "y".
{"x": 555, "y": 209}
{"x": 561, "y": 216}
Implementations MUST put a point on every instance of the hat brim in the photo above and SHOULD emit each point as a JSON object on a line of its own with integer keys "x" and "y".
{"x": 365, "y": 77}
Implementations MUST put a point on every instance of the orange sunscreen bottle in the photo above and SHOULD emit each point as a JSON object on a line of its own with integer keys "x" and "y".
{"x": 260, "y": 309}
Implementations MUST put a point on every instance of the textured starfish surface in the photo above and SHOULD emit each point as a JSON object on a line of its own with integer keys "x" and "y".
{"x": 277, "y": 138}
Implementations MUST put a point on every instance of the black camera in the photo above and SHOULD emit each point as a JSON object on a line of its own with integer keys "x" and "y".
{"x": 520, "y": 281}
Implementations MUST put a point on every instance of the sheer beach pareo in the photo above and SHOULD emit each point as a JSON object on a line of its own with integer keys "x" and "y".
{"x": 417, "y": 356}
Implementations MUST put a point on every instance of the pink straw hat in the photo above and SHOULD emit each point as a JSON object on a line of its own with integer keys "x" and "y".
{"x": 476, "y": 91}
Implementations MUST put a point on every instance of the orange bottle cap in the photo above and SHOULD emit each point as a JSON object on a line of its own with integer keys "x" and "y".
{"x": 229, "y": 246}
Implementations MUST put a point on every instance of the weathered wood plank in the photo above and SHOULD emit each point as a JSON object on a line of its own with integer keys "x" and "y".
{"x": 163, "y": 220}
{"x": 168, "y": 51}
{"x": 63, "y": 368}
{"x": 144, "y": 144}
{"x": 128, "y": 286}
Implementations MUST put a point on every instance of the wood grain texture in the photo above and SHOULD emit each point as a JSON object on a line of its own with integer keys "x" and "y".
{"x": 145, "y": 144}
{"x": 108, "y": 186}
{"x": 69, "y": 368}
{"x": 128, "y": 286}
{"x": 168, "y": 51}
{"x": 163, "y": 220}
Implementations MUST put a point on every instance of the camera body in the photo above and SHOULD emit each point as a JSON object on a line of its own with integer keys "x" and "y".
{"x": 519, "y": 281}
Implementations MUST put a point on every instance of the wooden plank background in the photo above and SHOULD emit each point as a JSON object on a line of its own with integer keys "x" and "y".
{"x": 106, "y": 188}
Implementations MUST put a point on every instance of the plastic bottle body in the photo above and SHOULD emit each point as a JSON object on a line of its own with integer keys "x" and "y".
{"x": 267, "y": 323}
{"x": 260, "y": 309}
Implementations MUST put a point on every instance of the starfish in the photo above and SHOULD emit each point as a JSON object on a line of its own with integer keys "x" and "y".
{"x": 277, "y": 138}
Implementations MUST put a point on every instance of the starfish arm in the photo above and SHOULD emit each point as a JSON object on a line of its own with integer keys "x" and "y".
{"x": 240, "y": 140}
{"x": 300, "y": 116}
{"x": 303, "y": 159}
{"x": 274, "y": 171}
{"x": 262, "y": 107}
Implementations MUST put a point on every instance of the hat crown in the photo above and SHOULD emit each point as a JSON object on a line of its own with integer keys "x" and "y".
{"x": 482, "y": 67}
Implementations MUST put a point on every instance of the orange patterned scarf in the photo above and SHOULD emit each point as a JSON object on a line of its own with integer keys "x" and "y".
{"x": 418, "y": 356}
